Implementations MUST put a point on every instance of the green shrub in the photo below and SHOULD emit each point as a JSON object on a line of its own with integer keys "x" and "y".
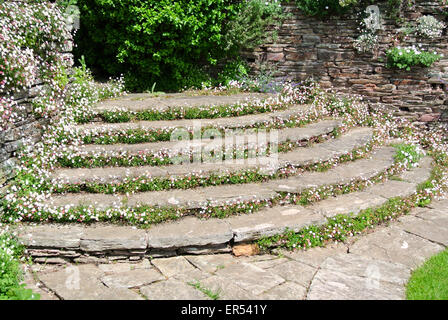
{"x": 405, "y": 58}
{"x": 171, "y": 43}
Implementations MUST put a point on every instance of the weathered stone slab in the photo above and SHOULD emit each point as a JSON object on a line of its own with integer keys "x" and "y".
{"x": 295, "y": 271}
{"x": 172, "y": 289}
{"x": 272, "y": 221}
{"x": 285, "y": 291}
{"x": 332, "y": 285}
{"x": 392, "y": 188}
{"x": 189, "y": 231}
{"x": 315, "y": 256}
{"x": 344, "y": 173}
{"x": 360, "y": 266}
{"x": 353, "y": 139}
{"x": 227, "y": 289}
{"x": 81, "y": 283}
{"x": 420, "y": 174}
{"x": 211, "y": 263}
{"x": 233, "y": 122}
{"x": 132, "y": 279}
{"x": 396, "y": 246}
{"x": 173, "y": 266}
{"x": 347, "y": 203}
{"x": 104, "y": 238}
{"x": 432, "y": 230}
{"x": 251, "y": 278}
{"x": 51, "y": 236}
{"x": 141, "y": 102}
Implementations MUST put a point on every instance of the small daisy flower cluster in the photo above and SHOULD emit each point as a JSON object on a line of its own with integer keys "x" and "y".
{"x": 429, "y": 27}
{"x": 32, "y": 35}
{"x": 368, "y": 40}
{"x": 8, "y": 112}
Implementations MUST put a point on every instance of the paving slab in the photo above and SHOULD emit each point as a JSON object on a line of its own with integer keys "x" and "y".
{"x": 397, "y": 246}
{"x": 364, "y": 267}
{"x": 433, "y": 230}
{"x": 211, "y": 263}
{"x": 251, "y": 278}
{"x": 393, "y": 188}
{"x": 285, "y": 291}
{"x": 132, "y": 279}
{"x": 333, "y": 285}
{"x": 419, "y": 174}
{"x": 81, "y": 283}
{"x": 315, "y": 256}
{"x": 226, "y": 288}
{"x": 170, "y": 267}
{"x": 381, "y": 160}
{"x": 295, "y": 271}
{"x": 172, "y": 289}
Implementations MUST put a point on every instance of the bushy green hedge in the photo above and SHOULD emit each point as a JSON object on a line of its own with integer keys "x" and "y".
{"x": 168, "y": 42}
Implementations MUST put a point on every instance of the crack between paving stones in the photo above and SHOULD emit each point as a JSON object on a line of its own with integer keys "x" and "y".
{"x": 421, "y": 237}
{"x": 49, "y": 289}
{"x": 311, "y": 282}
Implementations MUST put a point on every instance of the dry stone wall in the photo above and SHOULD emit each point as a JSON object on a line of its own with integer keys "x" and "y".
{"x": 29, "y": 127}
{"x": 324, "y": 49}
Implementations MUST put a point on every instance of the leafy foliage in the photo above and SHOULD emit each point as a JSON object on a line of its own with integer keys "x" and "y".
{"x": 171, "y": 43}
{"x": 10, "y": 272}
{"x": 405, "y": 58}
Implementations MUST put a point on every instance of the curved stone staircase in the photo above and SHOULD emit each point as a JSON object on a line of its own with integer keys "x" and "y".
{"x": 214, "y": 213}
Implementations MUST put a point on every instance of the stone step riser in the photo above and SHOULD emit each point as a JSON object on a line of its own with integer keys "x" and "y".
{"x": 266, "y": 120}
{"x": 178, "y": 103}
{"x": 194, "y": 236}
{"x": 301, "y": 158}
{"x": 248, "y": 140}
{"x": 200, "y": 198}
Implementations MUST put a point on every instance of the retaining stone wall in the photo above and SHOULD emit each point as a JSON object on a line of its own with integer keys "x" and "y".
{"x": 308, "y": 46}
{"x": 29, "y": 128}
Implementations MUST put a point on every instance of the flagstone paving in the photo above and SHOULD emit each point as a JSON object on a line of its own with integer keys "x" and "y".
{"x": 372, "y": 266}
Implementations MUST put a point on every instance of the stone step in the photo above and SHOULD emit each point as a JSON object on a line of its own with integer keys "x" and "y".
{"x": 146, "y": 101}
{"x": 198, "y": 145}
{"x": 200, "y": 198}
{"x": 303, "y": 156}
{"x": 191, "y": 235}
{"x": 247, "y": 121}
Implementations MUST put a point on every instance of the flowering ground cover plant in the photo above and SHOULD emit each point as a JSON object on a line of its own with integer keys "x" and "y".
{"x": 25, "y": 201}
{"x": 33, "y": 37}
{"x": 429, "y": 27}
